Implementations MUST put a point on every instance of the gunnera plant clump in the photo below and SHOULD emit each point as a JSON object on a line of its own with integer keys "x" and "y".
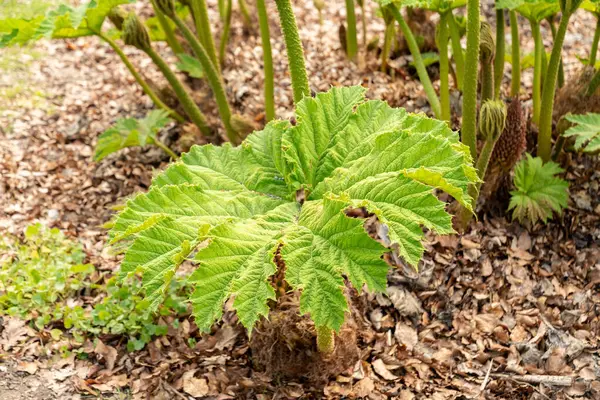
{"x": 284, "y": 346}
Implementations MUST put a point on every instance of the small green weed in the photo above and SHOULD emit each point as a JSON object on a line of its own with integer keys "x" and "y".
{"x": 40, "y": 273}
{"x": 43, "y": 276}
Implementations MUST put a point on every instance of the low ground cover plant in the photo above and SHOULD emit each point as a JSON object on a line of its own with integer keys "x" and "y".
{"x": 43, "y": 275}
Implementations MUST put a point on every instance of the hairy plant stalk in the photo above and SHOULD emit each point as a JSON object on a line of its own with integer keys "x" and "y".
{"x": 169, "y": 34}
{"x": 212, "y": 76}
{"x": 469, "y": 122}
{"x": 499, "y": 60}
{"x": 487, "y": 81}
{"x": 444, "y": 66}
{"x": 457, "y": 51}
{"x": 434, "y": 101}
{"x": 547, "y": 106}
{"x": 184, "y": 97}
{"x": 295, "y": 52}
{"x": 200, "y": 12}
{"x": 388, "y": 37}
{"x": 594, "y": 48}
{"x": 245, "y": 13}
{"x": 561, "y": 69}
{"x": 265, "y": 35}
{"x": 351, "y": 41}
{"x": 166, "y": 149}
{"x": 226, "y": 30}
{"x": 464, "y": 216}
{"x": 492, "y": 121}
{"x": 515, "y": 87}
{"x": 325, "y": 339}
{"x": 537, "y": 71}
{"x": 139, "y": 79}
{"x": 486, "y": 58}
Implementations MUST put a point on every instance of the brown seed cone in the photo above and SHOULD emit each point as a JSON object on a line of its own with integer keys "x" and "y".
{"x": 508, "y": 149}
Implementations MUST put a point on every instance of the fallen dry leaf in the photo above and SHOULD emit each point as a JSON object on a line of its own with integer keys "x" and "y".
{"x": 196, "y": 387}
{"x": 29, "y": 367}
{"x": 363, "y": 387}
{"x": 405, "y": 302}
{"x": 406, "y": 335}
{"x": 108, "y": 353}
{"x": 382, "y": 370}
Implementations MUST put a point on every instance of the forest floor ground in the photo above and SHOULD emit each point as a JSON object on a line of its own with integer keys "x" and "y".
{"x": 487, "y": 309}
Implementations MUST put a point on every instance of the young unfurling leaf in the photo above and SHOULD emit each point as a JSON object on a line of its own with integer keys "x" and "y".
{"x": 236, "y": 207}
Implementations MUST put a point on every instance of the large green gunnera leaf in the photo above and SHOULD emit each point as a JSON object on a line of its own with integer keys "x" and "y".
{"x": 284, "y": 195}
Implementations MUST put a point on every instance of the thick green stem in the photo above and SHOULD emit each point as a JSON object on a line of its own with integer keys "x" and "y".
{"x": 139, "y": 79}
{"x": 245, "y": 13}
{"x": 484, "y": 160}
{"x": 200, "y": 12}
{"x": 212, "y": 76}
{"x": 351, "y": 41}
{"x": 545, "y": 133}
{"x": 444, "y": 66}
{"x": 469, "y": 122}
{"x": 295, "y": 52}
{"x": 325, "y": 339}
{"x": 226, "y": 30}
{"x": 537, "y": 70}
{"x": 482, "y": 164}
{"x": 499, "y": 60}
{"x": 222, "y": 5}
{"x": 457, "y": 52}
{"x": 594, "y": 48}
{"x": 561, "y": 68}
{"x": 184, "y": 97}
{"x": 434, "y": 101}
{"x": 166, "y": 149}
{"x": 265, "y": 35}
{"x": 388, "y": 36}
{"x": 515, "y": 87}
{"x": 487, "y": 81}
{"x": 167, "y": 29}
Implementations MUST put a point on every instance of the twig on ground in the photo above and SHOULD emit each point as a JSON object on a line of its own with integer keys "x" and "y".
{"x": 554, "y": 380}
{"x": 487, "y": 377}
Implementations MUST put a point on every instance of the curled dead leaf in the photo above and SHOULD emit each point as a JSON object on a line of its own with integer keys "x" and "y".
{"x": 404, "y": 301}
{"x": 195, "y": 387}
{"x": 382, "y": 370}
{"x": 108, "y": 353}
